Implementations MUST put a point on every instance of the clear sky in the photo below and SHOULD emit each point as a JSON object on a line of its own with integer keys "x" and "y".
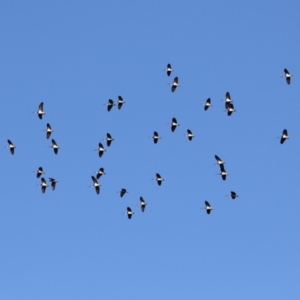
{"x": 74, "y": 56}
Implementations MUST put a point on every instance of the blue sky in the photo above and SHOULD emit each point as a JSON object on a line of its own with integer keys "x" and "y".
{"x": 74, "y": 56}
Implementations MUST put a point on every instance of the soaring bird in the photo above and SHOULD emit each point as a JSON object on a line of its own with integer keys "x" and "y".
{"x": 158, "y": 179}
{"x": 48, "y": 131}
{"x": 53, "y": 183}
{"x": 100, "y": 172}
{"x": 129, "y": 212}
{"x": 223, "y": 172}
{"x": 100, "y": 150}
{"x": 122, "y": 192}
{"x": 39, "y": 172}
{"x": 169, "y": 69}
{"x": 43, "y": 185}
{"x": 189, "y": 134}
{"x": 287, "y": 76}
{"x": 11, "y": 147}
{"x": 227, "y": 100}
{"x": 40, "y": 111}
{"x": 207, "y": 104}
{"x": 155, "y": 137}
{"x": 120, "y": 102}
{"x": 284, "y": 136}
{"x": 54, "y": 146}
{"x": 110, "y": 104}
{"x": 208, "y": 207}
{"x": 174, "y": 84}
{"x": 233, "y": 195}
{"x": 174, "y": 124}
{"x": 96, "y": 185}
{"x": 219, "y": 160}
{"x": 143, "y": 204}
{"x": 108, "y": 139}
{"x": 230, "y": 109}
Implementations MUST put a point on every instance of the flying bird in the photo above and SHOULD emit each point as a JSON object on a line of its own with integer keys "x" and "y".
{"x": 284, "y": 136}
{"x": 174, "y": 124}
{"x": 174, "y": 84}
{"x": 11, "y": 147}
{"x": 54, "y": 146}
{"x": 219, "y": 160}
{"x": 122, "y": 192}
{"x": 48, "y": 131}
{"x": 96, "y": 185}
{"x": 169, "y": 69}
{"x": 120, "y": 102}
{"x": 40, "y": 111}
{"x": 110, "y": 104}
{"x": 143, "y": 204}
{"x": 53, "y": 183}
{"x": 129, "y": 212}
{"x": 158, "y": 179}
{"x": 189, "y": 134}
{"x": 100, "y": 150}
{"x": 108, "y": 139}
{"x": 287, "y": 76}
{"x": 207, "y": 104}
{"x": 233, "y": 195}
{"x": 39, "y": 172}
{"x": 43, "y": 185}
{"x": 227, "y": 99}
{"x": 230, "y": 109}
{"x": 208, "y": 207}
{"x": 155, "y": 137}
{"x": 100, "y": 172}
{"x": 223, "y": 172}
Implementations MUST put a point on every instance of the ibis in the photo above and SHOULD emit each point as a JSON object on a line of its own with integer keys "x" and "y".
{"x": 207, "y": 104}
{"x": 143, "y": 204}
{"x": 11, "y": 147}
{"x": 96, "y": 185}
{"x": 40, "y": 111}
{"x": 129, "y": 212}
{"x": 110, "y": 104}
{"x": 120, "y": 102}
{"x": 223, "y": 172}
{"x": 208, "y": 207}
{"x": 284, "y": 136}
{"x": 219, "y": 160}
{"x": 155, "y": 137}
{"x": 100, "y": 150}
{"x": 54, "y": 146}
{"x": 108, "y": 139}
{"x": 230, "y": 109}
{"x": 189, "y": 134}
{"x": 48, "y": 131}
{"x": 100, "y": 172}
{"x": 158, "y": 179}
{"x": 174, "y": 84}
{"x": 287, "y": 76}
{"x": 43, "y": 185}
{"x": 53, "y": 183}
{"x": 39, "y": 172}
{"x": 174, "y": 124}
{"x": 169, "y": 69}
{"x": 122, "y": 192}
{"x": 233, "y": 195}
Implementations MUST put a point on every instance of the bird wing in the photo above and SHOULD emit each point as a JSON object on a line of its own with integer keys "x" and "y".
{"x": 286, "y": 72}
{"x": 54, "y": 143}
{"x": 10, "y": 143}
{"x": 94, "y": 180}
{"x": 41, "y": 106}
{"x": 228, "y": 96}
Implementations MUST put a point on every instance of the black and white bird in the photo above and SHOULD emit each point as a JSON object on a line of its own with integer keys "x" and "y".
{"x": 284, "y": 136}
{"x": 230, "y": 109}
{"x": 158, "y": 179}
{"x": 223, "y": 172}
{"x": 189, "y": 134}
{"x": 143, "y": 204}
{"x": 129, "y": 212}
{"x": 233, "y": 195}
{"x": 39, "y": 172}
{"x": 155, "y": 137}
{"x": 227, "y": 100}
{"x": 169, "y": 69}
{"x": 109, "y": 139}
{"x": 11, "y": 146}
{"x": 174, "y": 84}
{"x": 208, "y": 207}
{"x": 96, "y": 185}
{"x": 54, "y": 146}
{"x": 43, "y": 185}
{"x": 287, "y": 76}
{"x": 48, "y": 131}
{"x": 219, "y": 160}
{"x": 122, "y": 192}
{"x": 100, "y": 149}
{"x": 207, "y": 104}
{"x": 120, "y": 102}
{"x": 110, "y": 104}
{"x": 100, "y": 172}
{"x": 40, "y": 111}
{"x": 53, "y": 183}
{"x": 174, "y": 124}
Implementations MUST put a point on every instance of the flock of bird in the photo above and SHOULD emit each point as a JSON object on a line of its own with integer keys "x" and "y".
{"x": 229, "y": 108}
